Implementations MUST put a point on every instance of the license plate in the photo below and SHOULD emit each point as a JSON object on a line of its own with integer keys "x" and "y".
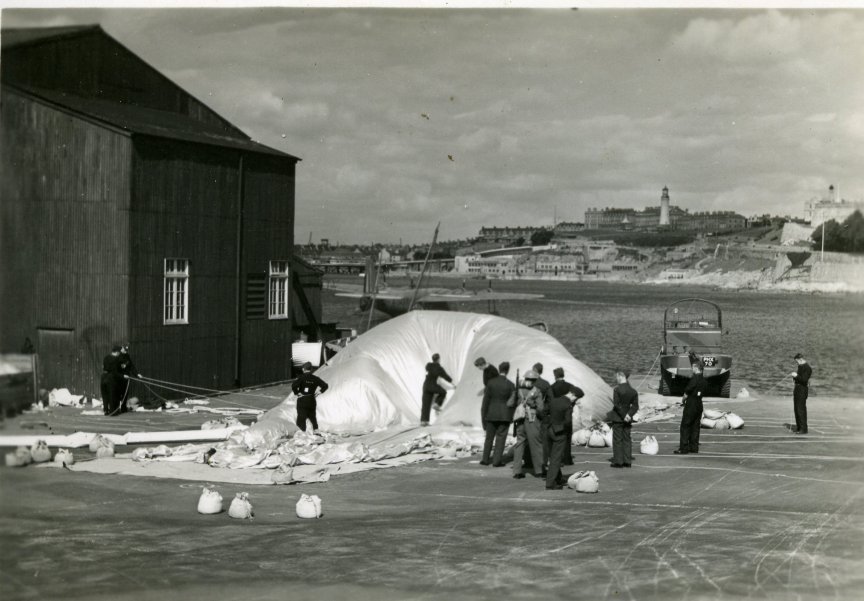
{"x": 709, "y": 361}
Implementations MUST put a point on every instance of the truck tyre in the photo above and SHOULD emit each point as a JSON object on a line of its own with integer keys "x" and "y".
{"x": 664, "y": 387}
{"x": 726, "y": 389}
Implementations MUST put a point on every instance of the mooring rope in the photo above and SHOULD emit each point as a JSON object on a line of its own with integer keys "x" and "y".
{"x": 650, "y": 371}
{"x": 194, "y": 396}
{"x": 238, "y": 391}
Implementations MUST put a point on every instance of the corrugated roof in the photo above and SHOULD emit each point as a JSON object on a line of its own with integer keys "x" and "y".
{"x": 21, "y": 36}
{"x": 144, "y": 121}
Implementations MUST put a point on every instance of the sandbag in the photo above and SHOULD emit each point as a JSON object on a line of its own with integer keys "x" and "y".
{"x": 209, "y": 502}
{"x": 581, "y": 437}
{"x": 64, "y": 457}
{"x": 309, "y": 507}
{"x": 713, "y": 413}
{"x": 39, "y": 452}
{"x": 140, "y": 454}
{"x": 707, "y": 423}
{"x": 721, "y": 424}
{"x": 19, "y": 458}
{"x": 596, "y": 440}
{"x": 734, "y": 420}
{"x": 584, "y": 482}
{"x": 743, "y": 394}
{"x": 99, "y": 441}
{"x": 607, "y": 438}
{"x": 649, "y": 446}
{"x": 240, "y": 507}
{"x": 105, "y": 452}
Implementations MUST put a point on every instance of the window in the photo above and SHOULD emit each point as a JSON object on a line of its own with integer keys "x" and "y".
{"x": 278, "y": 289}
{"x": 176, "y": 291}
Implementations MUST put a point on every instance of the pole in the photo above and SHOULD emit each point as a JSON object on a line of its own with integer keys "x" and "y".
{"x": 423, "y": 270}
{"x": 374, "y": 292}
{"x": 822, "y": 256}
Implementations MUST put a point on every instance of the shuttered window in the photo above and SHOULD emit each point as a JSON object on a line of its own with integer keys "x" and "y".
{"x": 256, "y": 295}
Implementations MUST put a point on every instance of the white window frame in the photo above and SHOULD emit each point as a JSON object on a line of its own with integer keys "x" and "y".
{"x": 277, "y": 290}
{"x": 175, "y": 292}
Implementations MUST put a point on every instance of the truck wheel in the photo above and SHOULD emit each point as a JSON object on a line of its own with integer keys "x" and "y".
{"x": 726, "y": 389}
{"x": 664, "y": 387}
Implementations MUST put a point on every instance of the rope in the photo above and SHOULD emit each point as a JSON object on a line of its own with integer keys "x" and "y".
{"x": 783, "y": 379}
{"x": 230, "y": 391}
{"x": 650, "y": 371}
{"x": 193, "y": 396}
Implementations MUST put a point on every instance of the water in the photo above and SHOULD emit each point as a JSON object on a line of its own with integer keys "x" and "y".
{"x": 608, "y": 325}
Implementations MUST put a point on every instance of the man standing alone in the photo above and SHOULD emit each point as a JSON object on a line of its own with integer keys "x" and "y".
{"x": 307, "y": 387}
{"x": 625, "y": 404}
{"x": 801, "y": 392}
{"x": 111, "y": 381}
{"x": 691, "y": 419}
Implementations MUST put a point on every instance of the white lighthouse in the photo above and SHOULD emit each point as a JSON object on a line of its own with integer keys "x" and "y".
{"x": 664, "y": 207}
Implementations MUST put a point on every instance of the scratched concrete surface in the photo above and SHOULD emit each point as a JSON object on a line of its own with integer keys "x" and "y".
{"x": 757, "y": 514}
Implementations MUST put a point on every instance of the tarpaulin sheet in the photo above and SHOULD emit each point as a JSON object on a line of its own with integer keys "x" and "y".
{"x": 376, "y": 381}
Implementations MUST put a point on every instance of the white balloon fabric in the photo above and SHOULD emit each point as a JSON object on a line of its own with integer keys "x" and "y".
{"x": 376, "y": 381}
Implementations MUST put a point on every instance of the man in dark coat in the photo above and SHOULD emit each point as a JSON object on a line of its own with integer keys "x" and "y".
{"x": 307, "y": 387}
{"x": 559, "y": 388}
{"x": 127, "y": 367}
{"x": 489, "y": 371}
{"x": 543, "y": 385}
{"x": 625, "y": 404}
{"x": 801, "y": 392}
{"x": 496, "y": 412}
{"x": 560, "y": 414}
{"x": 433, "y": 393}
{"x": 111, "y": 381}
{"x": 691, "y": 419}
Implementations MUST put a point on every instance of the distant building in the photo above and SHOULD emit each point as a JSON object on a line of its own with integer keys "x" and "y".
{"x": 830, "y": 207}
{"x": 508, "y": 234}
{"x": 567, "y": 229}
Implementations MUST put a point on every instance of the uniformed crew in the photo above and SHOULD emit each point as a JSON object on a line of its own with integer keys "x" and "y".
{"x": 691, "y": 419}
{"x": 560, "y": 387}
{"x": 127, "y": 367}
{"x": 110, "y": 383}
{"x": 625, "y": 404}
{"x": 560, "y": 414}
{"x": 496, "y": 413}
{"x": 545, "y": 388}
{"x": 433, "y": 393}
{"x": 307, "y": 387}
{"x": 801, "y": 392}
{"x": 533, "y": 403}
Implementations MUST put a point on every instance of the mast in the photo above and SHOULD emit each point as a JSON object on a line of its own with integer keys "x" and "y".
{"x": 425, "y": 264}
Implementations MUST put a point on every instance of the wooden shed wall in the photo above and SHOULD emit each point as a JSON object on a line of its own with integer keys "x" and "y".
{"x": 94, "y": 64}
{"x": 268, "y": 235}
{"x": 64, "y": 216}
{"x": 184, "y": 205}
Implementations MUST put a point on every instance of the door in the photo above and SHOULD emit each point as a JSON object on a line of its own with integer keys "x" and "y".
{"x": 58, "y": 359}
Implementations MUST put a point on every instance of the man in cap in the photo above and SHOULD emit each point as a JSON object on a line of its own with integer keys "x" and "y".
{"x": 625, "y": 404}
{"x": 527, "y": 425}
{"x": 306, "y": 388}
{"x": 127, "y": 367}
{"x": 496, "y": 412}
{"x": 560, "y": 414}
{"x": 544, "y": 387}
{"x": 111, "y": 380}
{"x": 561, "y": 387}
{"x": 801, "y": 392}
{"x": 433, "y": 393}
{"x": 691, "y": 418}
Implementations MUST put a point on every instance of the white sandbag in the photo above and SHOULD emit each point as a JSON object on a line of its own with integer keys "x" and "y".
{"x": 707, "y": 423}
{"x": 209, "y": 502}
{"x": 607, "y": 438}
{"x": 713, "y": 413}
{"x": 99, "y": 441}
{"x": 64, "y": 457}
{"x": 596, "y": 440}
{"x": 721, "y": 424}
{"x": 734, "y": 420}
{"x": 581, "y": 437}
{"x": 62, "y": 397}
{"x": 743, "y": 394}
{"x": 649, "y": 446}
{"x": 584, "y": 482}
{"x": 105, "y": 452}
{"x": 140, "y": 454}
{"x": 19, "y": 458}
{"x": 240, "y": 507}
{"x": 39, "y": 452}
{"x": 161, "y": 451}
{"x": 309, "y": 507}
{"x": 604, "y": 427}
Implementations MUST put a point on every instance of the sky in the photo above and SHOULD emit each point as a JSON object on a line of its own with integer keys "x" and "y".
{"x": 407, "y": 117}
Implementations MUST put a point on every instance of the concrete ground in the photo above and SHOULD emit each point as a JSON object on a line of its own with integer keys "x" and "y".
{"x": 759, "y": 513}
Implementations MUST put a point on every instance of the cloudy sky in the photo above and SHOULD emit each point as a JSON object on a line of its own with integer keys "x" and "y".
{"x": 405, "y": 117}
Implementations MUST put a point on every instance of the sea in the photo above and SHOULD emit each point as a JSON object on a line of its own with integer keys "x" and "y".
{"x": 609, "y": 325}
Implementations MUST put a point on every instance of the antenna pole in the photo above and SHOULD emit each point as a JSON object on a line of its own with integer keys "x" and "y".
{"x": 425, "y": 264}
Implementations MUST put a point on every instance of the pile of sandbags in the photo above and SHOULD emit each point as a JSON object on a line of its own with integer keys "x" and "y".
{"x": 721, "y": 420}
{"x": 142, "y": 453}
{"x": 102, "y": 446}
{"x": 597, "y": 436}
{"x": 584, "y": 482}
{"x": 19, "y": 458}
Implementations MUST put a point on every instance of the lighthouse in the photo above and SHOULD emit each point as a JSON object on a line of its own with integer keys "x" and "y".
{"x": 664, "y": 207}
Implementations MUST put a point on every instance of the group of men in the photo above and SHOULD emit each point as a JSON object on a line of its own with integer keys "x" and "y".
{"x": 117, "y": 366}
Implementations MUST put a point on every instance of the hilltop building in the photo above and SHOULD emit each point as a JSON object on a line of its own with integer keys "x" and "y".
{"x": 132, "y": 212}
{"x": 830, "y": 207}
{"x": 507, "y": 234}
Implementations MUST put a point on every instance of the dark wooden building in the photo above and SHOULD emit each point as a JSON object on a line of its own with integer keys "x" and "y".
{"x": 131, "y": 212}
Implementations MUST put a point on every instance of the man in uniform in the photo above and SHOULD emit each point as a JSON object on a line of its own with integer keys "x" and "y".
{"x": 433, "y": 393}
{"x": 559, "y": 388}
{"x": 496, "y": 413}
{"x": 625, "y": 404}
{"x": 527, "y": 428}
{"x": 110, "y": 383}
{"x": 127, "y": 367}
{"x": 691, "y": 419}
{"x": 560, "y": 414}
{"x": 307, "y": 387}
{"x": 801, "y": 392}
{"x": 543, "y": 385}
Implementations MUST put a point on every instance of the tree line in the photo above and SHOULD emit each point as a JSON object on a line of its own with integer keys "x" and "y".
{"x": 842, "y": 237}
